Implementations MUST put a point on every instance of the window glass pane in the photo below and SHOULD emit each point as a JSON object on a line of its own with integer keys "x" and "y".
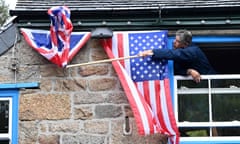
{"x": 194, "y": 131}
{"x": 227, "y": 131}
{"x": 225, "y": 83}
{"x": 4, "y": 141}
{"x": 193, "y": 108}
{"x": 226, "y": 107}
{"x": 192, "y": 84}
{"x": 4, "y": 116}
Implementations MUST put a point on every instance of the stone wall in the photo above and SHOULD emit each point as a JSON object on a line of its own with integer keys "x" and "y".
{"x": 79, "y": 105}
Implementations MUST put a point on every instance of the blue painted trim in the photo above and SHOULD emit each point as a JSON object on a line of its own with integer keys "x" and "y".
{"x": 19, "y": 85}
{"x": 171, "y": 70}
{"x": 15, "y": 117}
{"x": 216, "y": 39}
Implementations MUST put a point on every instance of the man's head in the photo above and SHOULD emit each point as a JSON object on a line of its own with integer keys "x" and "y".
{"x": 183, "y": 39}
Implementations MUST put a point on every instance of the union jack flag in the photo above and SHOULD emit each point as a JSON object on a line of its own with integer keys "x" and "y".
{"x": 60, "y": 44}
{"x": 145, "y": 81}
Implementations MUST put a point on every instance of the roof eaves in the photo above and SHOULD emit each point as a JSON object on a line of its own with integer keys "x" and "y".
{"x": 138, "y": 17}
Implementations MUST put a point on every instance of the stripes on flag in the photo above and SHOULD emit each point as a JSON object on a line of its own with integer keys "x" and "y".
{"x": 144, "y": 81}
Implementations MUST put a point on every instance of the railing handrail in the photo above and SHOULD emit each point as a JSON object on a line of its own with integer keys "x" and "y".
{"x": 222, "y": 76}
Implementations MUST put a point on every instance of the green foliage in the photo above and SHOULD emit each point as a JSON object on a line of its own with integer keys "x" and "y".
{"x": 3, "y": 12}
{"x": 197, "y": 133}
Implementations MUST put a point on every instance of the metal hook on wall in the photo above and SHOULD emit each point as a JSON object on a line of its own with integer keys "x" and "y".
{"x": 127, "y": 127}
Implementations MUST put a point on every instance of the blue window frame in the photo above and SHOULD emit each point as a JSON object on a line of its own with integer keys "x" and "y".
{"x": 9, "y": 94}
{"x": 203, "y": 40}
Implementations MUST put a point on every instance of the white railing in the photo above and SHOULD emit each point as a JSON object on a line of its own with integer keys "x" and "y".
{"x": 208, "y": 90}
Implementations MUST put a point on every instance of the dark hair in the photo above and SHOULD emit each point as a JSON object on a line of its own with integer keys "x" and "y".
{"x": 185, "y": 36}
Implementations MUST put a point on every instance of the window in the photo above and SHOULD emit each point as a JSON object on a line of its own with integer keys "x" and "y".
{"x": 9, "y": 111}
{"x": 6, "y": 119}
{"x": 8, "y": 116}
{"x": 209, "y": 109}
{"x": 209, "y": 112}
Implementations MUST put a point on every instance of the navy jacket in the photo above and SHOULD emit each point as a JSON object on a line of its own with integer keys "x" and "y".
{"x": 185, "y": 58}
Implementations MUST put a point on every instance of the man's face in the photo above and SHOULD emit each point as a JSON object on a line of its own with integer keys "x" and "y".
{"x": 177, "y": 43}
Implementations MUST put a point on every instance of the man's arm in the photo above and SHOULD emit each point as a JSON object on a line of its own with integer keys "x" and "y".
{"x": 192, "y": 72}
{"x": 184, "y": 55}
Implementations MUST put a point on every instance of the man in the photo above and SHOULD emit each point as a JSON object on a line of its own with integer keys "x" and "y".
{"x": 188, "y": 58}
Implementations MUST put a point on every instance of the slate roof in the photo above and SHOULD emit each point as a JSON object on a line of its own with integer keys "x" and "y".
{"x": 123, "y": 4}
{"x": 134, "y": 14}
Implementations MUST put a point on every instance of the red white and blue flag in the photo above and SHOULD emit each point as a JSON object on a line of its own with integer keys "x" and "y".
{"x": 145, "y": 82}
{"x": 60, "y": 44}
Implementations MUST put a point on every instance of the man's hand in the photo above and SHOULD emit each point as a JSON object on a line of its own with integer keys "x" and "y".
{"x": 146, "y": 53}
{"x": 195, "y": 75}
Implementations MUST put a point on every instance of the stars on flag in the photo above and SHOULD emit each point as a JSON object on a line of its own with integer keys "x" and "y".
{"x": 145, "y": 68}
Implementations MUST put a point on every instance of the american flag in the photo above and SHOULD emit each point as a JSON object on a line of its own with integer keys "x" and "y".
{"x": 60, "y": 44}
{"x": 145, "y": 81}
